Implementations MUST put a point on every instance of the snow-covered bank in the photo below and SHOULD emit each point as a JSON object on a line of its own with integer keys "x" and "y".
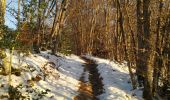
{"x": 47, "y": 77}
{"x": 44, "y": 77}
{"x": 116, "y": 80}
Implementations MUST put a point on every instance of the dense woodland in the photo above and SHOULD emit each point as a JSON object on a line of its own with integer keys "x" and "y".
{"x": 136, "y": 31}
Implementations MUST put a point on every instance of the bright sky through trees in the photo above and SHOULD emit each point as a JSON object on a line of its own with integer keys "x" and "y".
{"x": 10, "y": 21}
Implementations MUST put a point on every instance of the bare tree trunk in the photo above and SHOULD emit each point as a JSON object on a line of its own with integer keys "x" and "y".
{"x": 58, "y": 24}
{"x": 149, "y": 54}
{"x": 18, "y": 17}
{"x": 125, "y": 46}
{"x": 134, "y": 46}
{"x": 2, "y": 15}
{"x": 3, "y": 56}
{"x": 140, "y": 61}
{"x": 36, "y": 43}
{"x": 166, "y": 54}
{"x": 117, "y": 34}
{"x": 158, "y": 62}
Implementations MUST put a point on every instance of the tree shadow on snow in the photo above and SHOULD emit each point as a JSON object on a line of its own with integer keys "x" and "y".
{"x": 114, "y": 79}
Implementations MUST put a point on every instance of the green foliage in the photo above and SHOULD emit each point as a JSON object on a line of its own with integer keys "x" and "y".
{"x": 66, "y": 43}
{"x": 40, "y": 94}
{"x": 15, "y": 94}
{"x": 30, "y": 7}
{"x": 2, "y": 54}
{"x": 43, "y": 5}
{"x": 8, "y": 38}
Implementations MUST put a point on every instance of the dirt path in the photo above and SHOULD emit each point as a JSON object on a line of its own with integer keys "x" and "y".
{"x": 91, "y": 88}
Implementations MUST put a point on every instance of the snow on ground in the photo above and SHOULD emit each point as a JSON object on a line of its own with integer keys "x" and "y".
{"x": 47, "y": 77}
{"x": 44, "y": 77}
{"x": 116, "y": 80}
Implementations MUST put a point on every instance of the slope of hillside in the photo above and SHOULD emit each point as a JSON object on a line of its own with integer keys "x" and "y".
{"x": 43, "y": 77}
{"x": 48, "y": 77}
{"x": 116, "y": 80}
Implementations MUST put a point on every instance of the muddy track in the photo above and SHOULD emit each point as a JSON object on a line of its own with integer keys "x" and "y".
{"x": 94, "y": 87}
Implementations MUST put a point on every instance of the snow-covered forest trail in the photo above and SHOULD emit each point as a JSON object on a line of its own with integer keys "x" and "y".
{"x": 115, "y": 79}
{"x": 90, "y": 82}
{"x": 49, "y": 77}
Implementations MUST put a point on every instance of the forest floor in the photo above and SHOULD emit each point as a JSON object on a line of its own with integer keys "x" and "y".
{"x": 49, "y": 77}
{"x": 92, "y": 87}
